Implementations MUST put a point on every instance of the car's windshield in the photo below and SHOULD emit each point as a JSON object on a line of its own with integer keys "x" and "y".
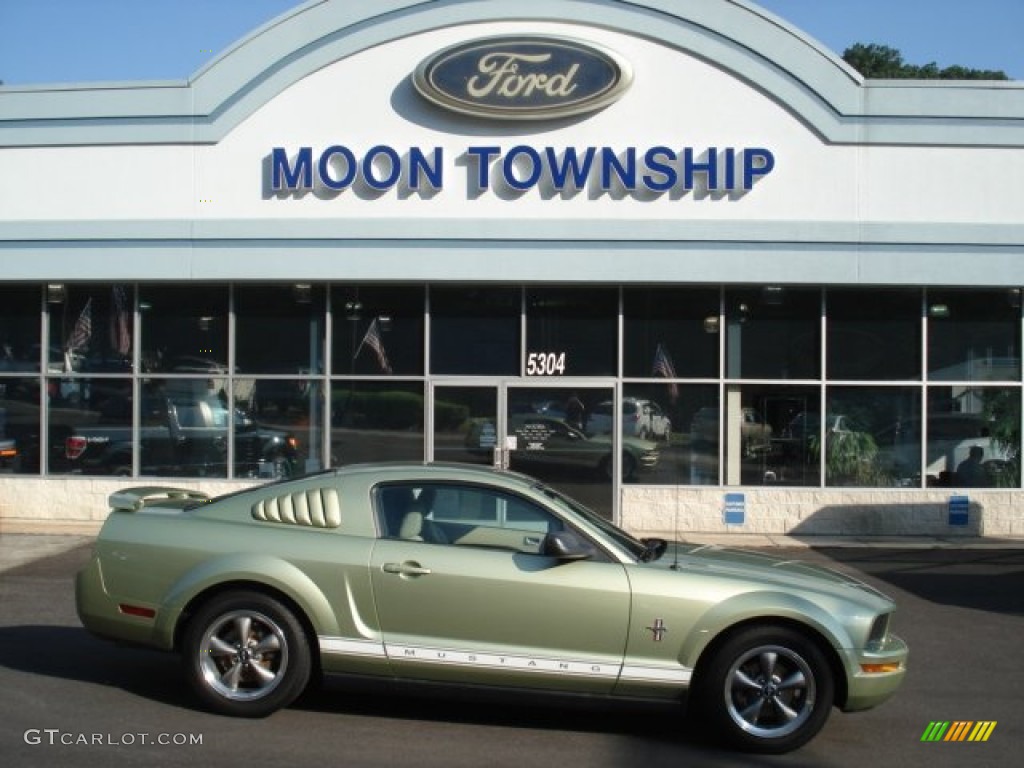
{"x": 635, "y": 548}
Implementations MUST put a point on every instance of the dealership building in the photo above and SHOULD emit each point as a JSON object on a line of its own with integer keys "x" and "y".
{"x": 672, "y": 256}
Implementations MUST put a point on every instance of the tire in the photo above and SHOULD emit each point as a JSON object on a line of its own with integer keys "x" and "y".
{"x": 768, "y": 689}
{"x": 251, "y": 676}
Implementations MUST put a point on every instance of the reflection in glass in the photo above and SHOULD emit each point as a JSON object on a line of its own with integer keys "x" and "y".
{"x": 466, "y": 424}
{"x": 773, "y": 333}
{"x": 91, "y": 329}
{"x": 19, "y": 425}
{"x": 378, "y": 330}
{"x": 376, "y": 421}
{"x": 475, "y": 330}
{"x": 872, "y": 436}
{"x": 874, "y": 334}
{"x": 683, "y": 421}
{"x": 571, "y": 331}
{"x": 768, "y": 430}
{"x": 974, "y": 335}
{"x": 671, "y": 325}
{"x": 184, "y": 428}
{"x": 184, "y": 329}
{"x": 560, "y": 437}
{"x": 90, "y": 426}
{"x": 279, "y": 441}
{"x": 279, "y": 329}
{"x": 973, "y": 438}
{"x": 19, "y": 328}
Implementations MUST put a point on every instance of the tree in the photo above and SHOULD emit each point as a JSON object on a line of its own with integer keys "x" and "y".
{"x": 875, "y": 61}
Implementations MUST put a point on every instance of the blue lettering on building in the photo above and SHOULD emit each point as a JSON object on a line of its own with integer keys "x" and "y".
{"x": 654, "y": 170}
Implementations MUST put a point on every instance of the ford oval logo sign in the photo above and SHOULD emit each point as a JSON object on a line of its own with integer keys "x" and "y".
{"x": 523, "y": 77}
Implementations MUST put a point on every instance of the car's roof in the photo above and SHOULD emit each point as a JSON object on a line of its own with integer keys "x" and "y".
{"x": 447, "y": 469}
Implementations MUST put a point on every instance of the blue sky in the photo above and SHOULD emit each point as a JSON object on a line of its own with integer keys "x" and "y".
{"x": 61, "y": 41}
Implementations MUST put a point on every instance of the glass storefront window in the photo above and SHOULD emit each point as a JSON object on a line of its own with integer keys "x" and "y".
{"x": 20, "y": 348}
{"x": 682, "y": 420}
{"x": 465, "y": 424}
{"x": 376, "y": 421}
{"x": 90, "y": 426}
{"x": 19, "y": 424}
{"x": 184, "y": 329}
{"x": 279, "y": 440}
{"x": 280, "y": 329}
{"x": 766, "y": 435}
{"x": 869, "y": 419}
{"x": 184, "y": 428}
{"x": 773, "y": 332}
{"x": 671, "y": 329}
{"x": 872, "y": 436}
{"x": 475, "y": 330}
{"x": 973, "y": 438}
{"x": 378, "y": 331}
{"x": 974, "y": 335}
{"x": 19, "y": 329}
{"x": 91, "y": 329}
{"x": 571, "y": 331}
{"x": 874, "y": 334}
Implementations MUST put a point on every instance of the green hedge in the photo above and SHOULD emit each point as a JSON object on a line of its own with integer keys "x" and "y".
{"x": 397, "y": 410}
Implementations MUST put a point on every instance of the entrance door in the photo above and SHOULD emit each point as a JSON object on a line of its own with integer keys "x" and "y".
{"x": 564, "y": 436}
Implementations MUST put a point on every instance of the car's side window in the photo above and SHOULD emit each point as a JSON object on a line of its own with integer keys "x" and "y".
{"x": 463, "y": 515}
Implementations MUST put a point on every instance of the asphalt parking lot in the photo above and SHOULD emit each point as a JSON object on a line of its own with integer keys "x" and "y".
{"x": 70, "y": 699}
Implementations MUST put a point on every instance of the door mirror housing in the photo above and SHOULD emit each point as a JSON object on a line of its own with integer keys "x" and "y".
{"x": 566, "y": 547}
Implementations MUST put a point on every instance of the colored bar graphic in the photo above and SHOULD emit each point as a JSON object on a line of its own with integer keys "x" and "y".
{"x": 982, "y": 731}
{"x": 959, "y": 730}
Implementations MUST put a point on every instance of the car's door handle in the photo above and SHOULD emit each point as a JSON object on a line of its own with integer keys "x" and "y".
{"x": 405, "y": 569}
{"x": 531, "y": 541}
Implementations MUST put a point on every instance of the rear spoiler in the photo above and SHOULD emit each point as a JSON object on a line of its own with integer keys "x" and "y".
{"x": 134, "y": 499}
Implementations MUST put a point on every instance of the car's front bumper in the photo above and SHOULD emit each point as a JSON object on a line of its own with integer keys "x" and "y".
{"x": 876, "y": 675}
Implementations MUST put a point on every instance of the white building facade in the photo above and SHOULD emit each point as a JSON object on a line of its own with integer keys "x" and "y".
{"x": 673, "y": 257}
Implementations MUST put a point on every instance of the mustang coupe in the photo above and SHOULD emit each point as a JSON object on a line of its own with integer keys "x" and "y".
{"x": 470, "y": 576}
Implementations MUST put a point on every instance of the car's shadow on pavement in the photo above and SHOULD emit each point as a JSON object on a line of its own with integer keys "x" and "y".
{"x": 71, "y": 653}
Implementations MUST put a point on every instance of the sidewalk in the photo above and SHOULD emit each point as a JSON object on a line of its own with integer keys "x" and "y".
{"x": 20, "y": 548}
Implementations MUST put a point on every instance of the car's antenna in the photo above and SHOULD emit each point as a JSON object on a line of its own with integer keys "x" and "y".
{"x": 675, "y": 533}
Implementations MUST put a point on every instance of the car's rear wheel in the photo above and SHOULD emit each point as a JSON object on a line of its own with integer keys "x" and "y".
{"x": 246, "y": 655}
{"x": 767, "y": 689}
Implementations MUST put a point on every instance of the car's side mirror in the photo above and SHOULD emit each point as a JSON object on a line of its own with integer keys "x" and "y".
{"x": 566, "y": 546}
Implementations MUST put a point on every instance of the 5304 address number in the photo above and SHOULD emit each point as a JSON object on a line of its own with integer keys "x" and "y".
{"x": 545, "y": 364}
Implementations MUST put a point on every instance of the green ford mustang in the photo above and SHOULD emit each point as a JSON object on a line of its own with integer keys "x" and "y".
{"x": 469, "y": 576}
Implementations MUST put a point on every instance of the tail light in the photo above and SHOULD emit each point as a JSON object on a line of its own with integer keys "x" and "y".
{"x": 75, "y": 446}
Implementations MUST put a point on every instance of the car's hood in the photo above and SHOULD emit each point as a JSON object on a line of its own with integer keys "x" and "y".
{"x": 765, "y": 569}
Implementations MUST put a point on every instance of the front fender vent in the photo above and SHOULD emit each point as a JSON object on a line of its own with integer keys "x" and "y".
{"x": 315, "y": 508}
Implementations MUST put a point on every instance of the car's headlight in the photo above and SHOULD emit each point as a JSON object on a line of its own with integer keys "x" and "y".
{"x": 879, "y": 632}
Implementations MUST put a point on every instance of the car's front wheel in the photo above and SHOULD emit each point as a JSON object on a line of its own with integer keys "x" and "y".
{"x": 767, "y": 689}
{"x": 246, "y": 655}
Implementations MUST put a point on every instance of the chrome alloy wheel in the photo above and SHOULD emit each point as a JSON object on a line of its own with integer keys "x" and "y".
{"x": 770, "y": 691}
{"x": 243, "y": 655}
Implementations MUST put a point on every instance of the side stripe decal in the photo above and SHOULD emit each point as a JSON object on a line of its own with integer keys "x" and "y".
{"x": 673, "y": 675}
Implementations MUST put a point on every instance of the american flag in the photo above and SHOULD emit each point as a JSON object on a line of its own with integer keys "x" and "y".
{"x": 82, "y": 331}
{"x": 80, "y": 335}
{"x": 373, "y": 340}
{"x": 120, "y": 323}
{"x": 663, "y": 367}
